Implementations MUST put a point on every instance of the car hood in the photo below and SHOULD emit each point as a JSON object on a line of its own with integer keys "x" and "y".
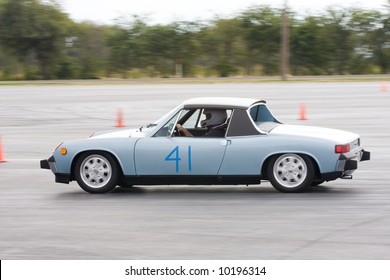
{"x": 339, "y": 136}
{"x": 118, "y": 134}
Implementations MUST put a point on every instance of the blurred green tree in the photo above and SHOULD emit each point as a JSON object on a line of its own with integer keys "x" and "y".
{"x": 156, "y": 49}
{"x": 311, "y": 47}
{"x": 261, "y": 29}
{"x": 379, "y": 42}
{"x": 48, "y": 44}
{"x": 341, "y": 43}
{"x": 222, "y": 46}
{"x": 126, "y": 49}
{"x": 31, "y": 27}
{"x": 86, "y": 51}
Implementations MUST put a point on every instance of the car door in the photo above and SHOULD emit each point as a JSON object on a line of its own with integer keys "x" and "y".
{"x": 165, "y": 154}
{"x": 247, "y": 147}
{"x": 179, "y": 155}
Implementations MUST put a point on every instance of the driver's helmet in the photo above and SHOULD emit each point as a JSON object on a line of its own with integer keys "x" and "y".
{"x": 213, "y": 117}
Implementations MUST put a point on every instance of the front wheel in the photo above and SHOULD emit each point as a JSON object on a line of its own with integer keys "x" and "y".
{"x": 290, "y": 172}
{"x": 96, "y": 172}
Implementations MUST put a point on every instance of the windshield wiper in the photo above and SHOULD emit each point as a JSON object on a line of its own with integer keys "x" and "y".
{"x": 151, "y": 125}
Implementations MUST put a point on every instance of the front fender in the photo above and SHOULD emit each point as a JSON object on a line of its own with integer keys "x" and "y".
{"x": 121, "y": 148}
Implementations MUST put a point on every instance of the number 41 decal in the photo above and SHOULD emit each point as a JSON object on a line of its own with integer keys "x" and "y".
{"x": 174, "y": 156}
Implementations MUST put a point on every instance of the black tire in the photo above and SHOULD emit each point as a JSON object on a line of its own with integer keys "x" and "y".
{"x": 290, "y": 173}
{"x": 96, "y": 172}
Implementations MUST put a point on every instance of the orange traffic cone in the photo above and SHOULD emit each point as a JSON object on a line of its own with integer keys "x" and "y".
{"x": 302, "y": 112}
{"x": 2, "y": 159}
{"x": 384, "y": 87}
{"x": 119, "y": 119}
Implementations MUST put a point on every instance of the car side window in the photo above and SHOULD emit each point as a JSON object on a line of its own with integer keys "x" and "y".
{"x": 260, "y": 114}
{"x": 189, "y": 123}
{"x": 168, "y": 128}
{"x": 193, "y": 120}
{"x": 203, "y": 122}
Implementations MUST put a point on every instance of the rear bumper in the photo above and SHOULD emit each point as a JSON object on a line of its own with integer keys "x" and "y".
{"x": 352, "y": 164}
{"x": 346, "y": 166}
{"x": 51, "y": 164}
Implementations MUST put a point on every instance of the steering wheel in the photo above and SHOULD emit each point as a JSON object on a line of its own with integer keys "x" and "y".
{"x": 177, "y": 132}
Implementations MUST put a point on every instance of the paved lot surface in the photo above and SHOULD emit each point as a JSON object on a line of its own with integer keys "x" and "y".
{"x": 39, "y": 219}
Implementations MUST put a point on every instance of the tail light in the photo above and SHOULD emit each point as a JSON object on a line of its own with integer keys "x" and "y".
{"x": 341, "y": 149}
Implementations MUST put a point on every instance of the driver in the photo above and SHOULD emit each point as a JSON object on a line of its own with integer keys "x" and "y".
{"x": 214, "y": 122}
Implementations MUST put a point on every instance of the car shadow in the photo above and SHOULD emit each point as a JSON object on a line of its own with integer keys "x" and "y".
{"x": 225, "y": 190}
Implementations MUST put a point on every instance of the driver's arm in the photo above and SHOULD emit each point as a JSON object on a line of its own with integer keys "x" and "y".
{"x": 183, "y": 130}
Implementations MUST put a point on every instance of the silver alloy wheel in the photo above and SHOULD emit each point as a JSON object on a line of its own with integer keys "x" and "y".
{"x": 290, "y": 170}
{"x": 95, "y": 171}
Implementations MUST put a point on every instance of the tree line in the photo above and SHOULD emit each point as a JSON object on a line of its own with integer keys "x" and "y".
{"x": 38, "y": 40}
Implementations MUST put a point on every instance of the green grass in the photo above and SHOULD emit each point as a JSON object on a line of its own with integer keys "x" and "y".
{"x": 215, "y": 80}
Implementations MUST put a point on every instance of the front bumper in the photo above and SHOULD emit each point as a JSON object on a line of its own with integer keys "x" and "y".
{"x": 45, "y": 164}
{"x": 366, "y": 155}
{"x": 51, "y": 164}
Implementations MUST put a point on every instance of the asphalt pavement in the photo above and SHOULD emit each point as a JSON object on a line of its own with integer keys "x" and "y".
{"x": 39, "y": 219}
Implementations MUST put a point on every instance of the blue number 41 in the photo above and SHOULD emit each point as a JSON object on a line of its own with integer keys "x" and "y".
{"x": 174, "y": 156}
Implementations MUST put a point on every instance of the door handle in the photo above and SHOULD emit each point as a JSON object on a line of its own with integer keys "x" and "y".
{"x": 225, "y": 142}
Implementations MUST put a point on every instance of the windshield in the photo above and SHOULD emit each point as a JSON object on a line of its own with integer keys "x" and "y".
{"x": 149, "y": 128}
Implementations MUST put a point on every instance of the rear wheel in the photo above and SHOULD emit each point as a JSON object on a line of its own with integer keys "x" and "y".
{"x": 290, "y": 172}
{"x": 96, "y": 172}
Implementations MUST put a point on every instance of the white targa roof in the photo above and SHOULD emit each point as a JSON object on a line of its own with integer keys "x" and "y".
{"x": 230, "y": 102}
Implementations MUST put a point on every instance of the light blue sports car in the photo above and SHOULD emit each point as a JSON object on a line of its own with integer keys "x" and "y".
{"x": 210, "y": 141}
